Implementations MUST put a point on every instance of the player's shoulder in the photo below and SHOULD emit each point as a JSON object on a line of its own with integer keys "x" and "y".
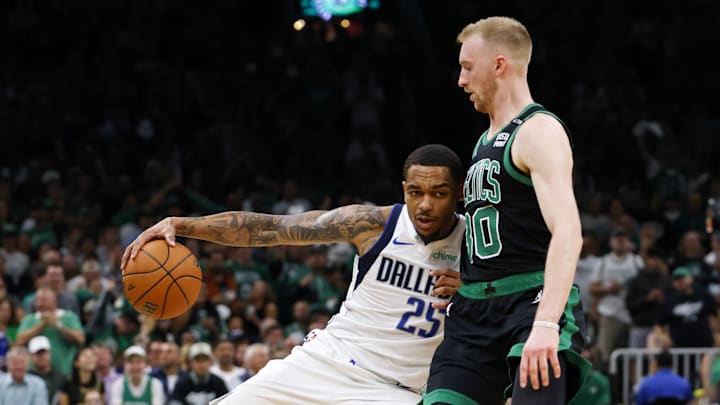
{"x": 540, "y": 130}
{"x": 545, "y": 123}
{"x": 387, "y": 210}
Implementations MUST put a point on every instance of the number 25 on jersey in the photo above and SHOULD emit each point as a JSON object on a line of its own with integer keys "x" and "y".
{"x": 421, "y": 309}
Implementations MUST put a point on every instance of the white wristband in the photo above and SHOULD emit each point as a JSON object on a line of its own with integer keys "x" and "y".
{"x": 545, "y": 324}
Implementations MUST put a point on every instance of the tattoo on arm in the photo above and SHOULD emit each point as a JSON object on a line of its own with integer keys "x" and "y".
{"x": 238, "y": 228}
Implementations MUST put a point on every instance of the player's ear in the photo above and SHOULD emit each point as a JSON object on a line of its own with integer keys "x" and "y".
{"x": 500, "y": 64}
{"x": 404, "y": 186}
{"x": 459, "y": 192}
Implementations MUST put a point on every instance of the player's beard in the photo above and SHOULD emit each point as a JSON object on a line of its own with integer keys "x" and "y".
{"x": 484, "y": 99}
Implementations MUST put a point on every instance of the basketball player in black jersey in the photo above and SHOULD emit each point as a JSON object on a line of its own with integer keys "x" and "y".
{"x": 513, "y": 328}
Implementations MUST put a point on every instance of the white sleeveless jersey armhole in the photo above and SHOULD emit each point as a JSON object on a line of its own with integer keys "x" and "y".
{"x": 387, "y": 323}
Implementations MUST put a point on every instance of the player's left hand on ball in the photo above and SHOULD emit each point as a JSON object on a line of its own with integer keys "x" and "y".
{"x": 540, "y": 358}
{"x": 446, "y": 284}
{"x": 162, "y": 230}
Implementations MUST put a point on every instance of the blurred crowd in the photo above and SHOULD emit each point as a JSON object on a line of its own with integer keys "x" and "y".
{"x": 152, "y": 108}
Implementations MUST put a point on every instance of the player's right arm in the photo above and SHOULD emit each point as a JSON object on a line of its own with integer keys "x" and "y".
{"x": 358, "y": 224}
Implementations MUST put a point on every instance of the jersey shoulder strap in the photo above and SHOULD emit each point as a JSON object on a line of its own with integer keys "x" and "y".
{"x": 366, "y": 260}
{"x": 512, "y": 126}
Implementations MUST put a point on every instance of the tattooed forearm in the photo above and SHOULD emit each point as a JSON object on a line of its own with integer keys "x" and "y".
{"x": 239, "y": 228}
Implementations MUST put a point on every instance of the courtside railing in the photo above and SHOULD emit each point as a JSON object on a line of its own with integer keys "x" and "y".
{"x": 628, "y": 364}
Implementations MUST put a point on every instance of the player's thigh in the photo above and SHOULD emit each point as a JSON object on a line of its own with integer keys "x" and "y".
{"x": 555, "y": 393}
{"x": 375, "y": 393}
{"x": 468, "y": 374}
{"x": 296, "y": 380}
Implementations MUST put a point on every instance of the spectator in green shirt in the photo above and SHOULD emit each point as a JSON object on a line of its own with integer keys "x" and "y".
{"x": 245, "y": 270}
{"x": 61, "y": 327}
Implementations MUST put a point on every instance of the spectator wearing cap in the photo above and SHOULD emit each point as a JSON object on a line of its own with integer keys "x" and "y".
{"x": 688, "y": 313}
{"x": 607, "y": 285}
{"x": 17, "y": 273}
{"x": 199, "y": 386}
{"x": 61, "y": 327}
{"x": 40, "y": 349}
{"x": 664, "y": 385}
{"x": 645, "y": 296}
{"x": 136, "y": 387}
{"x": 17, "y": 387}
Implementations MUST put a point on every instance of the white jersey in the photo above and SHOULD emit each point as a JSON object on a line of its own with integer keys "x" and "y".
{"x": 386, "y": 322}
{"x": 378, "y": 348}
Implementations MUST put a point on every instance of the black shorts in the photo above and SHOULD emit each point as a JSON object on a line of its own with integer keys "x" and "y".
{"x": 484, "y": 338}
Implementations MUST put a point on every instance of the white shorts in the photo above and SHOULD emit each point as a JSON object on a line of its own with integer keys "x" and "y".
{"x": 317, "y": 373}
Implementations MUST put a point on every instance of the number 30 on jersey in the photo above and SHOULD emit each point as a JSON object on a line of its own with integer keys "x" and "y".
{"x": 481, "y": 233}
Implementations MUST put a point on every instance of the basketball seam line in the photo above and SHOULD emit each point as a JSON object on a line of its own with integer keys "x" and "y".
{"x": 162, "y": 266}
{"x": 167, "y": 273}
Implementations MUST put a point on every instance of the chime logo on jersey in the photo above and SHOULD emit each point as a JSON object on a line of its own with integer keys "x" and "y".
{"x": 444, "y": 256}
{"x": 405, "y": 276}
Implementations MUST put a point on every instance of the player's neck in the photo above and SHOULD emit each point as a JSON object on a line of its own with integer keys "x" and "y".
{"x": 507, "y": 105}
{"x": 442, "y": 234}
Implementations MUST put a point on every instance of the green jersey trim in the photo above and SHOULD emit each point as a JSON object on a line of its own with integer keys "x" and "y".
{"x": 479, "y": 143}
{"x": 507, "y": 158}
{"x": 484, "y": 140}
{"x": 505, "y": 286}
{"x": 444, "y": 395}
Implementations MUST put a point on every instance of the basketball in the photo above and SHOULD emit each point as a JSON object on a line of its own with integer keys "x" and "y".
{"x": 163, "y": 281}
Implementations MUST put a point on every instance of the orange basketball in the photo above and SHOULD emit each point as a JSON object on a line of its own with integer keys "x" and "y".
{"x": 162, "y": 281}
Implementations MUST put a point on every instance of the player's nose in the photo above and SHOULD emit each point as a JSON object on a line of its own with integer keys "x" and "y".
{"x": 425, "y": 203}
{"x": 462, "y": 81}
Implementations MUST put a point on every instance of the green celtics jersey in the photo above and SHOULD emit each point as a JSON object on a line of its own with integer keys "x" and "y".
{"x": 144, "y": 399}
{"x": 505, "y": 232}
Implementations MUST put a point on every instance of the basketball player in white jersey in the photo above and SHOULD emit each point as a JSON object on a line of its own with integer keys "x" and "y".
{"x": 378, "y": 348}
